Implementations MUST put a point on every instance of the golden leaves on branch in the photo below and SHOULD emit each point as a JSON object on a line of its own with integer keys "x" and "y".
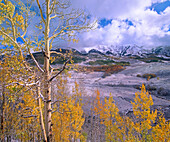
{"x": 20, "y": 106}
{"x": 68, "y": 115}
{"x": 146, "y": 125}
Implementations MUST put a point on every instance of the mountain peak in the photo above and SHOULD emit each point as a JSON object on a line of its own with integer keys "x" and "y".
{"x": 126, "y": 50}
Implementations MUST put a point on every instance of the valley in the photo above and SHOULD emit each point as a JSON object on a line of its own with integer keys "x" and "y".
{"x": 121, "y": 76}
{"x": 124, "y": 84}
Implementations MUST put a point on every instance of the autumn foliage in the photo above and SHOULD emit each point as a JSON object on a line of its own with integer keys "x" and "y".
{"x": 145, "y": 125}
{"x": 102, "y": 68}
{"x": 20, "y": 112}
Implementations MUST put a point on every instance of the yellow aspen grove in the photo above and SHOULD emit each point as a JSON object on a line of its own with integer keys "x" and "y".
{"x": 19, "y": 107}
{"x": 68, "y": 121}
{"x": 14, "y": 24}
{"x": 21, "y": 113}
{"x": 67, "y": 113}
{"x": 146, "y": 125}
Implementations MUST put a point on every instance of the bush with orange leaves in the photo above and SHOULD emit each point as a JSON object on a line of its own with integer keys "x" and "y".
{"x": 102, "y": 68}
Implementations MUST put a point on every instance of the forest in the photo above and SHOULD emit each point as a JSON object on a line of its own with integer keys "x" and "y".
{"x": 36, "y": 101}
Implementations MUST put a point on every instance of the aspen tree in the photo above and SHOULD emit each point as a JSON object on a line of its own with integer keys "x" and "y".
{"x": 144, "y": 126}
{"x": 161, "y": 131}
{"x": 14, "y": 25}
{"x": 142, "y": 111}
{"x": 112, "y": 120}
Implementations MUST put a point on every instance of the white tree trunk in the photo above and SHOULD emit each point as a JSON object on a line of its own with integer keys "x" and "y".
{"x": 47, "y": 84}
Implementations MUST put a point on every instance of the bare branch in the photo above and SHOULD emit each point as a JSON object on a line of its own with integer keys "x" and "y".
{"x": 53, "y": 17}
{"x": 29, "y": 116}
{"x": 52, "y": 70}
{"x": 52, "y": 7}
{"x": 64, "y": 66}
{"x": 51, "y": 67}
{"x": 41, "y": 96}
{"x": 69, "y": 28}
{"x": 63, "y": 5}
{"x": 40, "y": 11}
{"x": 75, "y": 17}
{"x": 55, "y": 35}
{"x": 35, "y": 61}
{"x": 54, "y": 52}
{"x": 56, "y": 102}
{"x": 51, "y": 44}
{"x": 24, "y": 33}
{"x": 59, "y": 111}
{"x": 26, "y": 84}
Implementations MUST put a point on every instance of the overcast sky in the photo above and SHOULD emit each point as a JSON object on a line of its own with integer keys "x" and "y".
{"x": 122, "y": 22}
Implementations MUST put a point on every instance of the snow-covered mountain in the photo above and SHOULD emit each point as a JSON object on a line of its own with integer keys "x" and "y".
{"x": 126, "y": 50}
{"x": 165, "y": 51}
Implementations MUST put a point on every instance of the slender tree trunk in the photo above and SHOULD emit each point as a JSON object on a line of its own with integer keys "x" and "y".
{"x": 47, "y": 84}
{"x": 41, "y": 115}
{"x": 33, "y": 136}
{"x": 8, "y": 138}
{"x": 2, "y": 113}
{"x": 91, "y": 128}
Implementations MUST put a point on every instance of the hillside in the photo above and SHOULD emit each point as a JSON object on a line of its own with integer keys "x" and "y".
{"x": 123, "y": 76}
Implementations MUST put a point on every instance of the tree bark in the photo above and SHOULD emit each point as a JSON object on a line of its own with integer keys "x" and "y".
{"x": 41, "y": 115}
{"x": 47, "y": 84}
{"x": 2, "y": 113}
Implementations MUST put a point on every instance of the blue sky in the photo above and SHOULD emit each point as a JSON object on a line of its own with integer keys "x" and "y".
{"x": 160, "y": 7}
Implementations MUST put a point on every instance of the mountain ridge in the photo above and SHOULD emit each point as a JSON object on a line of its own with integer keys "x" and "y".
{"x": 128, "y": 50}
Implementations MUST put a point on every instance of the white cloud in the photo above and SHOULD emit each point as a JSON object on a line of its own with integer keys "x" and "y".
{"x": 112, "y": 8}
{"x": 149, "y": 28}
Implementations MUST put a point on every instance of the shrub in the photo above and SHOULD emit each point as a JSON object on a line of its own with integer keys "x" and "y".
{"x": 104, "y": 68}
{"x": 138, "y": 75}
{"x": 100, "y": 62}
{"x": 151, "y": 88}
{"x": 107, "y": 62}
{"x": 122, "y": 63}
{"x": 148, "y": 76}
